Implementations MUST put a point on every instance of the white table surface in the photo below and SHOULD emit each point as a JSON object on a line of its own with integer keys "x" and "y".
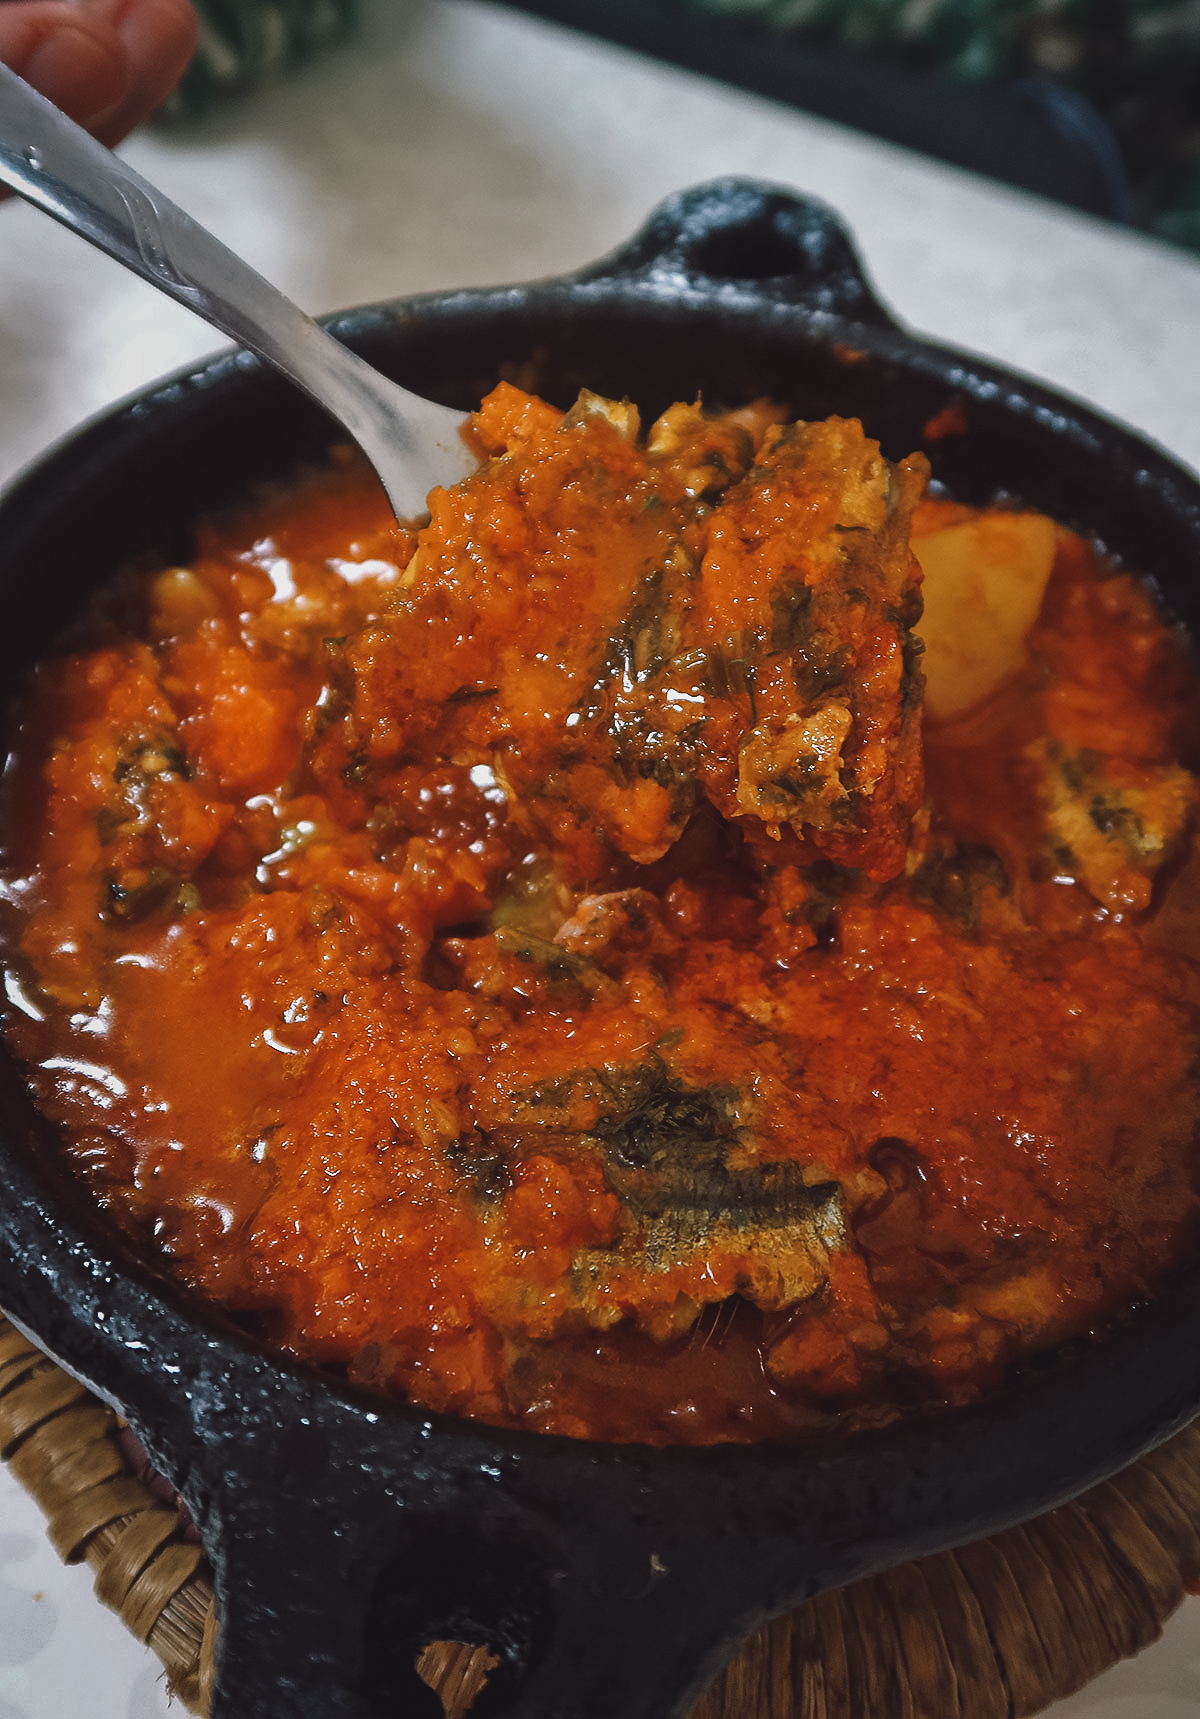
{"x": 455, "y": 143}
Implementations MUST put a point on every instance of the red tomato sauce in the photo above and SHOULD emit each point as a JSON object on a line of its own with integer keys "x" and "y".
{"x": 537, "y": 966}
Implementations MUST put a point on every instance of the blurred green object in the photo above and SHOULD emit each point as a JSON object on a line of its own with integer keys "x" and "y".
{"x": 1095, "y": 45}
{"x": 963, "y": 36}
{"x": 242, "y": 40}
{"x": 1135, "y": 62}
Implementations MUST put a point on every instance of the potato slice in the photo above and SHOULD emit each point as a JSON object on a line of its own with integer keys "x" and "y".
{"x": 984, "y": 583}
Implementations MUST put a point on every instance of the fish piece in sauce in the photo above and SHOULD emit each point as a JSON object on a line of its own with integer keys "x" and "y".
{"x": 724, "y": 612}
{"x": 520, "y": 964}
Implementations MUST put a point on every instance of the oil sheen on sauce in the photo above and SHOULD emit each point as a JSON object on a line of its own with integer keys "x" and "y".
{"x": 560, "y": 966}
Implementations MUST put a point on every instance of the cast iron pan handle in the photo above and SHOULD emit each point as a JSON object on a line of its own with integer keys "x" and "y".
{"x": 303, "y": 1636}
{"x": 733, "y": 237}
{"x": 298, "y": 1650}
{"x": 602, "y": 1593}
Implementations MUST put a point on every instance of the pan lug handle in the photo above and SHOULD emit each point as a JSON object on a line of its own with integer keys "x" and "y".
{"x": 321, "y": 1617}
{"x": 588, "y": 1638}
{"x": 738, "y": 236}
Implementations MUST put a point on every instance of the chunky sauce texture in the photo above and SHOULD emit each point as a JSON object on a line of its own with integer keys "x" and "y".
{"x": 539, "y": 966}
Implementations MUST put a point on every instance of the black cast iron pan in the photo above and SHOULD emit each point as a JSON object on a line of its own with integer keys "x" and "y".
{"x": 347, "y": 1532}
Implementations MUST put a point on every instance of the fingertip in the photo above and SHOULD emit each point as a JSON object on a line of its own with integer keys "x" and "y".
{"x": 158, "y": 38}
{"x": 78, "y": 67}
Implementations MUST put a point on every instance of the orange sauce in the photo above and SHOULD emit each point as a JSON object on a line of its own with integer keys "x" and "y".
{"x": 537, "y": 966}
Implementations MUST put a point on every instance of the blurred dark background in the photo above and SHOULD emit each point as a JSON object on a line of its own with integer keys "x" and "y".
{"x": 1093, "y": 102}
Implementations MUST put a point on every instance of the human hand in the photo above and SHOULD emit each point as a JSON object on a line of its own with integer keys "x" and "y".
{"x": 106, "y": 63}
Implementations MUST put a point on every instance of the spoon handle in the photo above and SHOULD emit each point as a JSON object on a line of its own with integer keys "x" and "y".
{"x": 52, "y": 162}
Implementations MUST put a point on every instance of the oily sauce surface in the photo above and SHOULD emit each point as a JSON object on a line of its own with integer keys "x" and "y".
{"x": 539, "y": 967}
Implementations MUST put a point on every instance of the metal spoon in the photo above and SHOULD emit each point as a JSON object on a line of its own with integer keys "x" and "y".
{"x": 46, "y": 158}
